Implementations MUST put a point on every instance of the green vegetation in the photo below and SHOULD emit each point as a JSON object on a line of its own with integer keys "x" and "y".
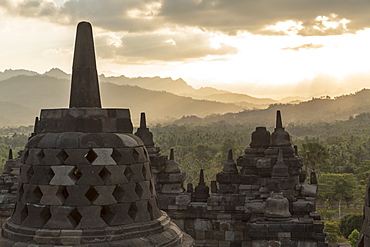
{"x": 332, "y": 231}
{"x": 12, "y": 138}
{"x": 350, "y": 222}
{"x": 315, "y": 157}
{"x": 353, "y": 237}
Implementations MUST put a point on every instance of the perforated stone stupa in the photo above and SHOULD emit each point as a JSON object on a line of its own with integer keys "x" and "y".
{"x": 85, "y": 179}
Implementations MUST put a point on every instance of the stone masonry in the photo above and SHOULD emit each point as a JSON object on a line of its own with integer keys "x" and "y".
{"x": 264, "y": 202}
{"x": 8, "y": 186}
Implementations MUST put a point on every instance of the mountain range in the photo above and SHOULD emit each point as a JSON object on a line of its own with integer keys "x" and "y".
{"x": 23, "y": 93}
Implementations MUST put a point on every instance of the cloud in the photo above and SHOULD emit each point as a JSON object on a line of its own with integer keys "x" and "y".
{"x": 128, "y": 29}
{"x": 112, "y": 15}
{"x": 30, "y": 8}
{"x": 304, "y": 46}
{"x": 256, "y": 16}
{"x": 316, "y": 17}
{"x": 166, "y": 46}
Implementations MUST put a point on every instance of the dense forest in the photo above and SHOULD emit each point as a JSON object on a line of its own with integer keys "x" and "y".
{"x": 338, "y": 152}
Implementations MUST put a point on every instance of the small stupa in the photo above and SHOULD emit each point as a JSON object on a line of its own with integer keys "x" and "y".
{"x": 201, "y": 190}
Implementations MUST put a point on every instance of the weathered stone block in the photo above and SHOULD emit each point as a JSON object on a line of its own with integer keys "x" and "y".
{"x": 117, "y": 214}
{"x": 164, "y": 200}
{"x": 50, "y": 195}
{"x": 25, "y": 173}
{"x": 41, "y": 175}
{"x": 88, "y": 175}
{"x": 31, "y": 194}
{"x": 257, "y": 207}
{"x": 78, "y": 195}
{"x": 90, "y": 218}
{"x": 68, "y": 140}
{"x": 37, "y": 216}
{"x": 141, "y": 156}
{"x": 183, "y": 199}
{"x": 60, "y": 218}
{"x": 137, "y": 173}
{"x": 171, "y": 177}
{"x": 35, "y": 155}
{"x": 171, "y": 188}
{"x": 104, "y": 157}
{"x": 105, "y": 195}
{"x": 200, "y": 234}
{"x": 117, "y": 175}
{"x": 63, "y": 175}
{"x": 309, "y": 190}
{"x": 264, "y": 163}
{"x": 126, "y": 193}
{"x": 49, "y": 140}
{"x": 123, "y": 156}
{"x": 33, "y": 142}
{"x": 139, "y": 211}
{"x": 20, "y": 213}
{"x": 91, "y": 140}
{"x": 228, "y": 189}
{"x": 77, "y": 156}
{"x": 224, "y": 178}
{"x": 128, "y": 140}
{"x": 200, "y": 224}
{"x": 109, "y": 125}
{"x": 124, "y": 125}
{"x": 303, "y": 206}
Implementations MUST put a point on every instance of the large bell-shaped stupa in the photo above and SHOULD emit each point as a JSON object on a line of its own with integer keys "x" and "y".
{"x": 85, "y": 179}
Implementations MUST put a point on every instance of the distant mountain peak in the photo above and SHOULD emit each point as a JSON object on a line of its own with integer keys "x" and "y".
{"x": 9, "y": 73}
{"x": 57, "y": 73}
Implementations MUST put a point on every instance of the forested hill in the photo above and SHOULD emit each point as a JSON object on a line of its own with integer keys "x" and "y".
{"x": 313, "y": 111}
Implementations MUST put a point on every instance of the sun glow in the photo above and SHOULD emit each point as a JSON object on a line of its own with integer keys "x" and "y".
{"x": 325, "y": 23}
{"x": 148, "y": 12}
{"x": 289, "y": 27}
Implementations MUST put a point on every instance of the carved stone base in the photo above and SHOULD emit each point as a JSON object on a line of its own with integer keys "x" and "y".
{"x": 160, "y": 232}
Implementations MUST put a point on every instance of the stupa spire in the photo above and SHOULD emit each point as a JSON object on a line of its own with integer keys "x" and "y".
{"x": 201, "y": 177}
{"x": 230, "y": 166}
{"x": 172, "y": 154}
{"x": 280, "y": 170}
{"x": 202, "y": 190}
{"x": 144, "y": 134}
{"x": 35, "y": 130}
{"x": 142, "y": 121}
{"x": 230, "y": 155}
{"x": 279, "y": 122}
{"x": 10, "y": 155}
{"x": 85, "y": 86}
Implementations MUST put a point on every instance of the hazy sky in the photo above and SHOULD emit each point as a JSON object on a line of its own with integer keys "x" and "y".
{"x": 266, "y": 48}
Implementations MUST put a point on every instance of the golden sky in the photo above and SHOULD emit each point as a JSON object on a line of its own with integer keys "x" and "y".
{"x": 264, "y": 48}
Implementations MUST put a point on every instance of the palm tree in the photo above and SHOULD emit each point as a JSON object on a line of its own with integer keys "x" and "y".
{"x": 314, "y": 155}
